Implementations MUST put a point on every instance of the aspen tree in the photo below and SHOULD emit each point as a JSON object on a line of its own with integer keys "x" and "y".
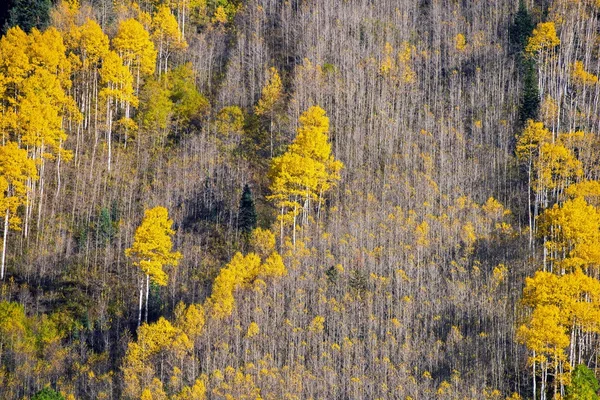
{"x": 166, "y": 35}
{"x": 528, "y": 149}
{"x": 306, "y": 171}
{"x": 270, "y": 98}
{"x": 15, "y": 170}
{"x": 152, "y": 250}
{"x": 117, "y": 89}
{"x": 133, "y": 44}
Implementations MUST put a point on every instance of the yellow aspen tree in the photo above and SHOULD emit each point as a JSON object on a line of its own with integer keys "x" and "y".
{"x": 35, "y": 99}
{"x": 133, "y": 44}
{"x": 197, "y": 391}
{"x": 306, "y": 171}
{"x": 556, "y": 168}
{"x": 190, "y": 319}
{"x": 220, "y": 16}
{"x": 156, "y": 343}
{"x": 460, "y": 42}
{"x": 166, "y": 35}
{"x": 152, "y": 250}
{"x": 580, "y": 76}
{"x": 270, "y": 97}
{"x": 91, "y": 45}
{"x": 528, "y": 147}
{"x": 572, "y": 230}
{"x": 542, "y": 39}
{"x": 541, "y": 47}
{"x": 547, "y": 339}
{"x": 243, "y": 270}
{"x": 117, "y": 89}
{"x": 16, "y": 168}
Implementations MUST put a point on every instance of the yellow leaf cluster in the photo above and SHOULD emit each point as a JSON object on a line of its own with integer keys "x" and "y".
{"x": 241, "y": 272}
{"x": 580, "y": 76}
{"x": 398, "y": 68}
{"x": 543, "y": 38}
{"x": 559, "y": 303}
{"x": 271, "y": 93}
{"x": 34, "y": 79}
{"x": 460, "y": 42}
{"x": 15, "y": 169}
{"x": 151, "y": 249}
{"x": 307, "y": 170}
{"x": 573, "y": 231}
{"x": 133, "y": 44}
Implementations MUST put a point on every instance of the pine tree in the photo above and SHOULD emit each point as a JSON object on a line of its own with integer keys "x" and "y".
{"x": 29, "y": 14}
{"x": 522, "y": 27}
{"x": 247, "y": 214}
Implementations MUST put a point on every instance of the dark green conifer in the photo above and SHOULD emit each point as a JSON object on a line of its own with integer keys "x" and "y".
{"x": 29, "y": 14}
{"x": 247, "y": 214}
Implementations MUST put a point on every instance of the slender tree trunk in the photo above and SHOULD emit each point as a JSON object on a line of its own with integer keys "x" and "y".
{"x": 4, "y": 245}
{"x": 109, "y": 133}
{"x": 281, "y": 227}
{"x": 294, "y": 234}
{"x": 147, "y": 293}
{"x": 534, "y": 381}
{"x": 140, "y": 308}
{"x": 529, "y": 208}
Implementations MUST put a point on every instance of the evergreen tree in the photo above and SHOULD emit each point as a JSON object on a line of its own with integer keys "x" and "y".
{"x": 522, "y": 27}
{"x": 29, "y": 14}
{"x": 584, "y": 384}
{"x": 530, "y": 100}
{"x": 247, "y": 214}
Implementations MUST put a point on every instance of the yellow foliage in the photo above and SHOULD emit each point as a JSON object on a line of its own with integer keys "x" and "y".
{"x": 543, "y": 38}
{"x": 196, "y": 392}
{"x": 317, "y": 324}
{"x": 544, "y": 334}
{"x": 271, "y": 94}
{"x": 573, "y": 229}
{"x": 190, "y": 319}
{"x": 580, "y": 76}
{"x": 549, "y": 110}
{"x": 155, "y": 341}
{"x": 422, "y": 234}
{"x": 220, "y": 15}
{"x": 151, "y": 249}
{"x": 15, "y": 169}
{"x": 388, "y": 62}
{"x": 556, "y": 165}
{"x": 532, "y": 137}
{"x": 307, "y": 170}
{"x": 273, "y": 266}
{"x": 230, "y": 121}
{"x": 241, "y": 272}
{"x": 117, "y": 80}
{"x": 398, "y": 68}
{"x": 262, "y": 241}
{"x": 460, "y": 43}
{"x": 589, "y": 190}
{"x": 165, "y": 30}
{"x": 253, "y": 330}
{"x": 133, "y": 44}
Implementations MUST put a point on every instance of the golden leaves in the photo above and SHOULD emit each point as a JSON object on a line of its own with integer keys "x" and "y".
{"x": 151, "y": 249}
{"x": 271, "y": 93}
{"x": 242, "y": 271}
{"x": 543, "y": 38}
{"x": 307, "y": 170}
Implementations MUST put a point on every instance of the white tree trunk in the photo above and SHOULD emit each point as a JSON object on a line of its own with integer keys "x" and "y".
{"x": 4, "y": 245}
